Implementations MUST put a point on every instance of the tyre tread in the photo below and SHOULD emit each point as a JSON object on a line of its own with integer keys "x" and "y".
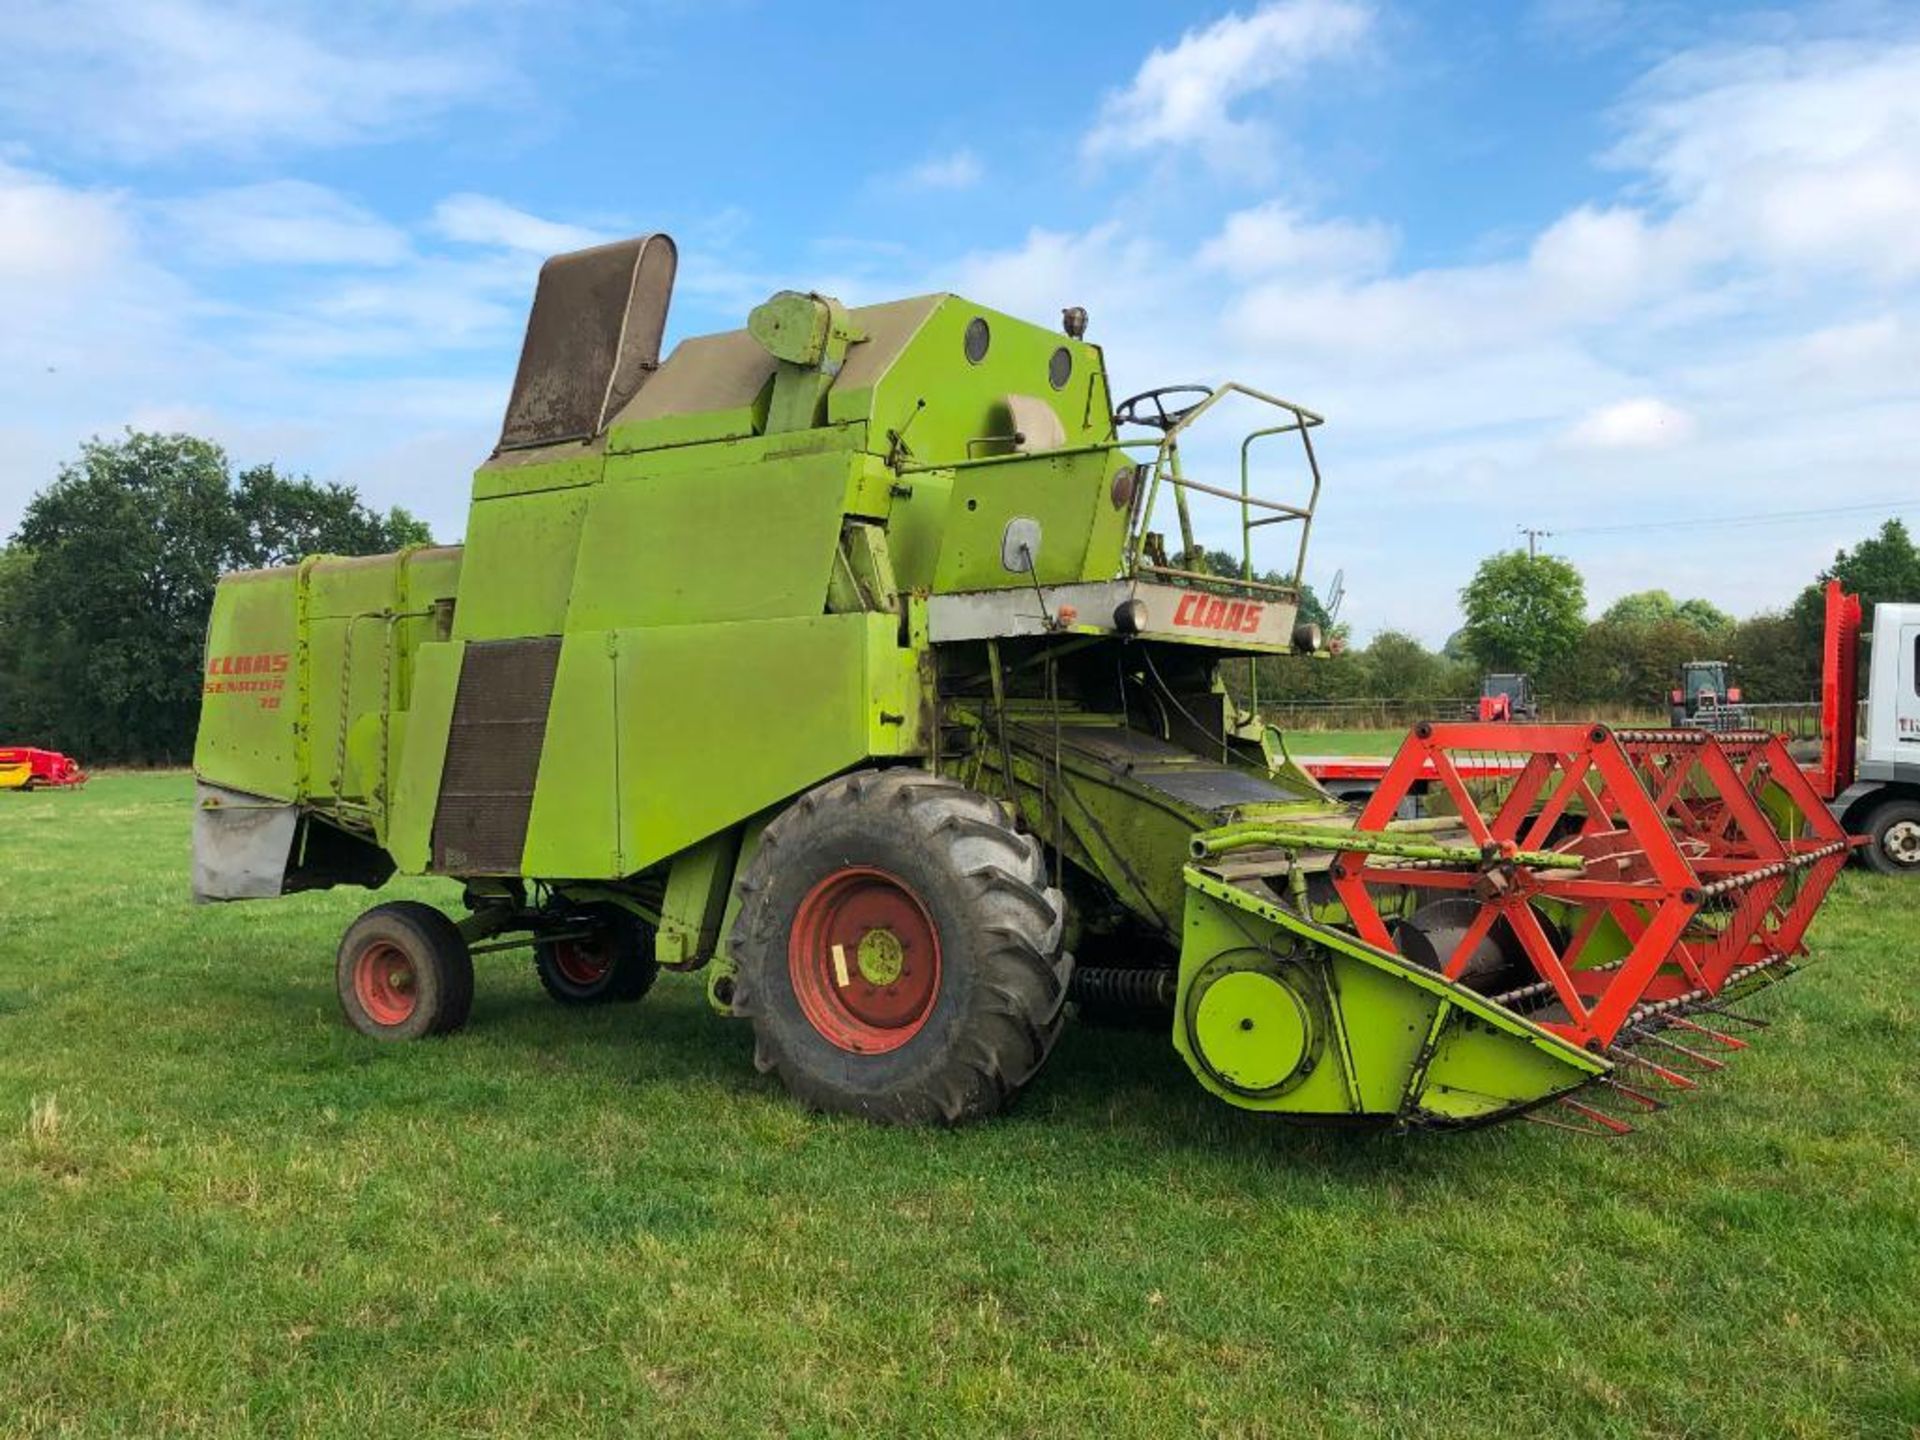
{"x": 1022, "y": 980}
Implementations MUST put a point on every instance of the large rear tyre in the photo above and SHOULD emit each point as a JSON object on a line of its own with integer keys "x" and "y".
{"x": 899, "y": 951}
{"x": 1893, "y": 829}
{"x": 611, "y": 964}
{"x": 403, "y": 972}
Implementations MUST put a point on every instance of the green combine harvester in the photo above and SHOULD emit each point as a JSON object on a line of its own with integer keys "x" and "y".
{"x": 845, "y": 657}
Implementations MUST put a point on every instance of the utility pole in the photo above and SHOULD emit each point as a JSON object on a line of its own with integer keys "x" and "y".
{"x": 1534, "y": 536}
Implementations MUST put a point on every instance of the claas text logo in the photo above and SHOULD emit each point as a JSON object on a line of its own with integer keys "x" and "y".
{"x": 262, "y": 676}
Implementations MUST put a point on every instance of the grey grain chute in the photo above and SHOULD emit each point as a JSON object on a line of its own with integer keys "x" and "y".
{"x": 592, "y": 340}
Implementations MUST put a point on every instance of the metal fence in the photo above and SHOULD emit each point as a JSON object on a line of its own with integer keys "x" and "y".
{"x": 1797, "y": 720}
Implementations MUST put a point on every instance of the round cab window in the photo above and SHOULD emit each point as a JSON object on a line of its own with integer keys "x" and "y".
{"x": 1060, "y": 368}
{"x": 978, "y": 338}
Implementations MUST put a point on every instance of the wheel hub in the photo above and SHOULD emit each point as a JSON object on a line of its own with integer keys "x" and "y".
{"x": 881, "y": 956}
{"x": 1902, "y": 842}
{"x": 864, "y": 959}
{"x": 583, "y": 962}
{"x": 384, "y": 983}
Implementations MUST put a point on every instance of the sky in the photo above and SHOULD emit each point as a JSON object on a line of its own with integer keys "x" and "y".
{"x": 1608, "y": 268}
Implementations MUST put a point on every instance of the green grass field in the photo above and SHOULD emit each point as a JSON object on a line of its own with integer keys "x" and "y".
{"x": 221, "y": 1213}
{"x": 1344, "y": 742}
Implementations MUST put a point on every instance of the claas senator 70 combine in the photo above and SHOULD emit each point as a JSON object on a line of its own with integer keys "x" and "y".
{"x": 847, "y": 656}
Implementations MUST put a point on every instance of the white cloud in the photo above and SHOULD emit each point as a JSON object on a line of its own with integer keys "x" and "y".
{"x": 144, "y": 78}
{"x": 1275, "y": 237}
{"x": 1186, "y": 95}
{"x": 483, "y": 220}
{"x": 1645, "y": 422}
{"x": 52, "y": 234}
{"x": 1802, "y": 154}
{"x": 957, "y": 170}
{"x": 284, "y": 222}
{"x": 1113, "y": 271}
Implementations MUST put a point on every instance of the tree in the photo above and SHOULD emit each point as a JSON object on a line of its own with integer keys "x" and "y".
{"x": 1882, "y": 568}
{"x": 1633, "y": 664}
{"x": 1704, "y": 616}
{"x": 1771, "y": 662}
{"x": 1523, "y": 611}
{"x": 283, "y": 517}
{"x": 16, "y": 565}
{"x": 1650, "y": 607}
{"x": 127, "y": 544}
{"x": 1399, "y": 667}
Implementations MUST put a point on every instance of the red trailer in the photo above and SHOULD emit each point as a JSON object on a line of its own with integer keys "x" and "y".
{"x": 1355, "y": 777}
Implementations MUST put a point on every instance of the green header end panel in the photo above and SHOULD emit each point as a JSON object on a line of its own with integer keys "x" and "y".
{"x": 1275, "y": 1012}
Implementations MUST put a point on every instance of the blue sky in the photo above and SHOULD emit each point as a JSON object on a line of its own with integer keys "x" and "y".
{"x": 1585, "y": 264}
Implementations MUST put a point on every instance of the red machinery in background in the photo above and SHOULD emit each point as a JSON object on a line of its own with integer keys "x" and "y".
{"x": 24, "y": 768}
{"x": 1507, "y": 698}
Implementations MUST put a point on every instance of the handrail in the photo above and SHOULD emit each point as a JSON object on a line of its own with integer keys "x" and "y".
{"x": 1265, "y": 586}
{"x": 1166, "y": 470}
{"x": 1292, "y": 511}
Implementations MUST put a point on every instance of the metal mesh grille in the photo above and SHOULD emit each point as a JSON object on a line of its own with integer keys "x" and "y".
{"x": 493, "y": 756}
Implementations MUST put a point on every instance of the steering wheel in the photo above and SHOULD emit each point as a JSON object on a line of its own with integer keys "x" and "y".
{"x": 1133, "y": 410}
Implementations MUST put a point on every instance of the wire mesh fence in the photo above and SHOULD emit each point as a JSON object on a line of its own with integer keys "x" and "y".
{"x": 1797, "y": 720}
{"x": 1400, "y": 714}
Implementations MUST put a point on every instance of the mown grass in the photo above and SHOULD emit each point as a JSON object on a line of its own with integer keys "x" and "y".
{"x": 223, "y": 1214}
{"x": 1344, "y": 742}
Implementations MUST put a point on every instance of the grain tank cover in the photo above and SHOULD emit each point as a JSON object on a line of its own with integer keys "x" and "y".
{"x": 593, "y": 338}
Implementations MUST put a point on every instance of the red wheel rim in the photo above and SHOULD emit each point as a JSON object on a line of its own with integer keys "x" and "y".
{"x": 864, "y": 958}
{"x": 383, "y": 983}
{"x": 581, "y": 963}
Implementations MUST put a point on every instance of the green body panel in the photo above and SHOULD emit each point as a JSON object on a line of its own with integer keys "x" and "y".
{"x": 627, "y": 778}
{"x": 1081, "y": 529}
{"x": 965, "y": 402}
{"x": 521, "y": 552}
{"x": 573, "y": 829}
{"x": 696, "y": 899}
{"x": 523, "y": 472}
{"x": 416, "y": 788}
{"x": 251, "y": 725}
{"x": 736, "y": 542}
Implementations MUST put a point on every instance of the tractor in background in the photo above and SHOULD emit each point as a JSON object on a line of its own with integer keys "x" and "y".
{"x": 1508, "y": 699}
{"x": 1705, "y": 697}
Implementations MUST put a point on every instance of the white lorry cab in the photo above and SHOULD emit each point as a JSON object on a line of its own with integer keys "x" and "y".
{"x": 1870, "y": 764}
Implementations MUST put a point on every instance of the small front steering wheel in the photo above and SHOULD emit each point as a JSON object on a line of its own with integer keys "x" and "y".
{"x": 1133, "y": 410}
